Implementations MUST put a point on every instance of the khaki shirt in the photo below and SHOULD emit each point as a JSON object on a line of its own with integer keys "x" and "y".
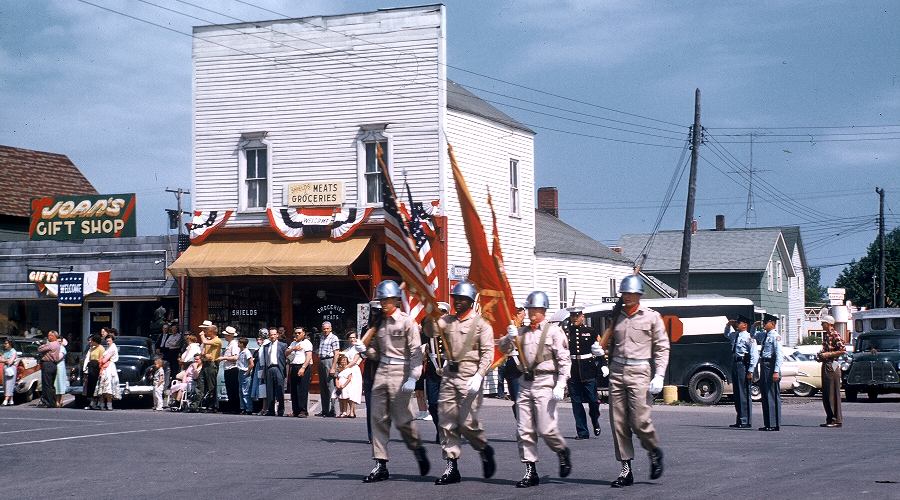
{"x": 642, "y": 336}
{"x": 455, "y": 332}
{"x": 398, "y": 337}
{"x": 556, "y": 349}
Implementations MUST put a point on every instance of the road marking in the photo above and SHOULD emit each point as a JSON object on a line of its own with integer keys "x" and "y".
{"x": 38, "y": 441}
{"x": 51, "y": 428}
{"x": 48, "y": 419}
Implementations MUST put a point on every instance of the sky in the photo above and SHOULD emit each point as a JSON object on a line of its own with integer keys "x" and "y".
{"x": 608, "y": 86}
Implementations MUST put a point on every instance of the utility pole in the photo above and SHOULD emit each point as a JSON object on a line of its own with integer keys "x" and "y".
{"x": 182, "y": 281}
{"x": 881, "y": 267}
{"x": 689, "y": 210}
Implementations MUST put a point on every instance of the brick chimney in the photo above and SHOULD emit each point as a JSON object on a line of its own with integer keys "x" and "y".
{"x": 548, "y": 200}
{"x": 694, "y": 226}
{"x": 720, "y": 223}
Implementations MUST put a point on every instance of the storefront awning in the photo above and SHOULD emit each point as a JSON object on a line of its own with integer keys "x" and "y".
{"x": 269, "y": 258}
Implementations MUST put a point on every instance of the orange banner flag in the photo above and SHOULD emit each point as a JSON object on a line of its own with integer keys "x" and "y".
{"x": 485, "y": 271}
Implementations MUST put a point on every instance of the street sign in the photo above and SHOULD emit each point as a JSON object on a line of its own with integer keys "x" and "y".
{"x": 836, "y": 296}
{"x": 609, "y": 300}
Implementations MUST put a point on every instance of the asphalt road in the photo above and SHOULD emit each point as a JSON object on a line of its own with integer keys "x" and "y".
{"x": 138, "y": 453}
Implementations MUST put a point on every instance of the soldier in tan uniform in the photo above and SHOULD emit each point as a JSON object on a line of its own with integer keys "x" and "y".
{"x": 397, "y": 348}
{"x": 544, "y": 362}
{"x": 469, "y": 349}
{"x": 639, "y": 348}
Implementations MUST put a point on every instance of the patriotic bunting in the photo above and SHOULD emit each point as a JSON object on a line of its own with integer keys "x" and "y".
{"x": 293, "y": 224}
{"x": 204, "y": 223}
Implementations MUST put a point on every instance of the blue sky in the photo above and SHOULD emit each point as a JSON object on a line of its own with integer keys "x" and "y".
{"x": 114, "y": 95}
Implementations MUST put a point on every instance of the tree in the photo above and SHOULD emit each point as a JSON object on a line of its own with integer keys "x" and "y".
{"x": 857, "y": 277}
{"x": 815, "y": 292}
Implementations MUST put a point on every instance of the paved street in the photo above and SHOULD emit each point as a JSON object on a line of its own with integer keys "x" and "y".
{"x": 137, "y": 453}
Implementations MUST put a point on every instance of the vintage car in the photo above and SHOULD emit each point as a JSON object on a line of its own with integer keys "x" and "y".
{"x": 798, "y": 376}
{"x": 28, "y": 369}
{"x": 135, "y": 357}
{"x": 873, "y": 369}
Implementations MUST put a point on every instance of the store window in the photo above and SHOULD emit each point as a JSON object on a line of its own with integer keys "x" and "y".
{"x": 244, "y": 306}
{"x": 28, "y": 318}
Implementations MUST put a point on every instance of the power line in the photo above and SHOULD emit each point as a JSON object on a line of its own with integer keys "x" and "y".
{"x": 802, "y": 127}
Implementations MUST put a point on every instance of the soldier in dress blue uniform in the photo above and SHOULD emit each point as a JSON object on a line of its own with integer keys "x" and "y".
{"x": 744, "y": 357}
{"x": 770, "y": 373}
{"x": 583, "y": 378}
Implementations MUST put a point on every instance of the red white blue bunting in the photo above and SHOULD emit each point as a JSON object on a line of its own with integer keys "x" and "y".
{"x": 337, "y": 225}
{"x": 204, "y": 223}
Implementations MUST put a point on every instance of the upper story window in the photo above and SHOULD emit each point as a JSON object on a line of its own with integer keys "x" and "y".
{"x": 513, "y": 187}
{"x": 563, "y": 292}
{"x": 255, "y": 160}
{"x": 770, "y": 277}
{"x": 370, "y": 181}
{"x": 780, "y": 281}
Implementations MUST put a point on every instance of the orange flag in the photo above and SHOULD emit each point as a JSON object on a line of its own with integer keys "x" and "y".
{"x": 485, "y": 270}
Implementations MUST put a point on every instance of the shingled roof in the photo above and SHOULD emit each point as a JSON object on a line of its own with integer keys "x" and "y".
{"x": 27, "y": 174}
{"x": 555, "y": 236}
{"x": 461, "y": 99}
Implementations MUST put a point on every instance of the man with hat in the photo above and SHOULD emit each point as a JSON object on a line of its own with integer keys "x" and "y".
{"x": 397, "y": 347}
{"x": 744, "y": 357}
{"x": 212, "y": 349}
{"x": 639, "y": 354}
{"x": 832, "y": 349}
{"x": 544, "y": 363}
{"x": 510, "y": 367}
{"x": 469, "y": 349}
{"x": 230, "y": 369}
{"x": 770, "y": 373}
{"x": 435, "y": 356}
{"x": 583, "y": 379}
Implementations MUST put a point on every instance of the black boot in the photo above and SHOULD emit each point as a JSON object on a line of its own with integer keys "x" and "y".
{"x": 422, "y": 459}
{"x": 379, "y": 473}
{"x": 597, "y": 429}
{"x": 656, "y": 463}
{"x": 626, "y": 478}
{"x": 565, "y": 463}
{"x": 530, "y": 478}
{"x": 450, "y": 475}
{"x": 488, "y": 466}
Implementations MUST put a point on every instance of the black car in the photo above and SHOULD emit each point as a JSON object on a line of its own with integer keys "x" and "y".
{"x": 135, "y": 359}
{"x": 875, "y": 366}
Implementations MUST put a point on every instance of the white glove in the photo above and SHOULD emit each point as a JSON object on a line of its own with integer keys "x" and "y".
{"x": 409, "y": 385}
{"x": 604, "y": 370}
{"x": 559, "y": 392}
{"x": 512, "y": 331}
{"x": 597, "y": 350}
{"x": 656, "y": 385}
{"x": 359, "y": 346}
{"x": 475, "y": 384}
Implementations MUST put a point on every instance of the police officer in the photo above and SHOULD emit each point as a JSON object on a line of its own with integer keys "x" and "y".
{"x": 469, "y": 348}
{"x": 398, "y": 349}
{"x": 639, "y": 357}
{"x": 770, "y": 373}
{"x": 544, "y": 363}
{"x": 583, "y": 380}
{"x": 434, "y": 362}
{"x": 743, "y": 363}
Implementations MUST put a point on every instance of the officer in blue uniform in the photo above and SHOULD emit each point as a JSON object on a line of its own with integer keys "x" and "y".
{"x": 770, "y": 373}
{"x": 744, "y": 357}
{"x": 583, "y": 378}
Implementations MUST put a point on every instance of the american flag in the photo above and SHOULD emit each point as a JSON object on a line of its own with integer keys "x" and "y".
{"x": 408, "y": 250}
{"x": 426, "y": 257}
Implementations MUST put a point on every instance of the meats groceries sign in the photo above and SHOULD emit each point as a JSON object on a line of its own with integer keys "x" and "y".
{"x": 82, "y": 217}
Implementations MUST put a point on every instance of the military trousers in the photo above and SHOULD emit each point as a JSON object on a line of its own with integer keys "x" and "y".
{"x": 390, "y": 404}
{"x": 629, "y": 409}
{"x": 743, "y": 405}
{"x": 831, "y": 393}
{"x": 580, "y": 392}
{"x": 458, "y": 412}
{"x": 771, "y": 394}
{"x": 537, "y": 416}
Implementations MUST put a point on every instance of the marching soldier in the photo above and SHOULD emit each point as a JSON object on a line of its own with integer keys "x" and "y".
{"x": 469, "y": 348}
{"x": 639, "y": 348}
{"x": 744, "y": 358}
{"x": 583, "y": 380}
{"x": 770, "y": 374}
{"x": 435, "y": 356}
{"x": 397, "y": 348}
{"x": 510, "y": 371}
{"x": 544, "y": 363}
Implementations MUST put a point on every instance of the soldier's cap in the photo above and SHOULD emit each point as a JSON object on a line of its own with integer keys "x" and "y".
{"x": 743, "y": 319}
{"x": 443, "y": 306}
{"x": 769, "y": 317}
{"x": 375, "y": 304}
{"x": 520, "y": 306}
{"x": 575, "y": 310}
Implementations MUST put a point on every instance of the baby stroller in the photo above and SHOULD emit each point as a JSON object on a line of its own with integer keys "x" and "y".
{"x": 190, "y": 399}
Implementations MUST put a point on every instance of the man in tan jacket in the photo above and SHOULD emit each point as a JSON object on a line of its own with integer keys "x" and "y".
{"x": 469, "y": 348}
{"x": 544, "y": 363}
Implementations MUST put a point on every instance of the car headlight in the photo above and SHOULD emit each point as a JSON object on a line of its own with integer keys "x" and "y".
{"x": 898, "y": 365}
{"x": 845, "y": 366}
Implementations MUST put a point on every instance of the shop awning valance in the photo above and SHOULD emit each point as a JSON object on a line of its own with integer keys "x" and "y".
{"x": 269, "y": 258}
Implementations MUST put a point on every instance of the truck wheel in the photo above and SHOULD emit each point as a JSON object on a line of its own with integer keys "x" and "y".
{"x": 851, "y": 394}
{"x": 804, "y": 391}
{"x": 755, "y": 393}
{"x": 706, "y": 388}
{"x": 873, "y": 395}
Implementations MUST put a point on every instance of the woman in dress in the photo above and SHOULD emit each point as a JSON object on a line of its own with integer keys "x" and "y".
{"x": 9, "y": 372}
{"x": 91, "y": 370}
{"x": 62, "y": 378}
{"x": 108, "y": 388}
{"x": 258, "y": 384}
{"x": 193, "y": 347}
{"x": 348, "y": 387}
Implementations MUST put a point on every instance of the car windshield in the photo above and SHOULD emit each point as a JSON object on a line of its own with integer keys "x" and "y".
{"x": 133, "y": 350}
{"x": 27, "y": 349}
{"x": 879, "y": 344}
{"x": 804, "y": 357}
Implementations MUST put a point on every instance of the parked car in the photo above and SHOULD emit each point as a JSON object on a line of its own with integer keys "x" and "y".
{"x": 28, "y": 369}
{"x": 135, "y": 357}
{"x": 801, "y": 377}
{"x": 873, "y": 369}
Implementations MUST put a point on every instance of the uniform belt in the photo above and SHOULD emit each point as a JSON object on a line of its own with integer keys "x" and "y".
{"x": 325, "y": 357}
{"x": 630, "y": 361}
{"x": 582, "y": 356}
{"x": 390, "y": 360}
{"x": 545, "y": 372}
{"x": 768, "y": 359}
